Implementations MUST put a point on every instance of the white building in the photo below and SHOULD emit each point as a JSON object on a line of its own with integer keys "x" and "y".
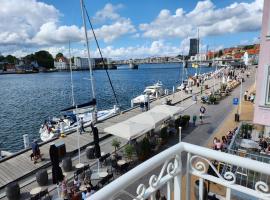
{"x": 61, "y": 63}
{"x": 198, "y": 57}
{"x": 82, "y": 63}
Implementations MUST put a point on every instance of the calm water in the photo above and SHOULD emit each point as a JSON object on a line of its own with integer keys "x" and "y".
{"x": 27, "y": 100}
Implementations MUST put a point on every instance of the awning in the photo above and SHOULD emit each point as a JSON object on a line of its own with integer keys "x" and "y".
{"x": 170, "y": 110}
{"x": 128, "y": 130}
{"x": 154, "y": 119}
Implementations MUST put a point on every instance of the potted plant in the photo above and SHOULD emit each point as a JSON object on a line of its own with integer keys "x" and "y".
{"x": 145, "y": 149}
{"x": 164, "y": 135}
{"x": 212, "y": 99}
{"x": 185, "y": 120}
{"x": 129, "y": 151}
{"x": 116, "y": 144}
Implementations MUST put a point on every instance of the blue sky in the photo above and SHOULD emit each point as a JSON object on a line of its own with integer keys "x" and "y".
{"x": 127, "y": 29}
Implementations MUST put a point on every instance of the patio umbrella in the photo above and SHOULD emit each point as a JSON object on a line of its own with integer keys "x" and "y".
{"x": 170, "y": 110}
{"x": 150, "y": 117}
{"x": 128, "y": 130}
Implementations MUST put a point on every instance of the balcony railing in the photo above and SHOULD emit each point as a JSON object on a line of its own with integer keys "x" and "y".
{"x": 198, "y": 161}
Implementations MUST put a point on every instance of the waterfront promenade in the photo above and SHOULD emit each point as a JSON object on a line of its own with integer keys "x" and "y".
{"x": 27, "y": 180}
{"x": 20, "y": 167}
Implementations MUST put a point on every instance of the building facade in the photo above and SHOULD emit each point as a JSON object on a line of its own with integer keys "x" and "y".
{"x": 262, "y": 100}
{"x": 82, "y": 63}
{"x": 61, "y": 63}
{"x": 193, "y": 46}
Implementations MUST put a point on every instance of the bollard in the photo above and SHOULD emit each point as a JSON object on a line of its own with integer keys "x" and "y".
{"x": 42, "y": 177}
{"x": 13, "y": 191}
{"x": 131, "y": 103}
{"x": 26, "y": 141}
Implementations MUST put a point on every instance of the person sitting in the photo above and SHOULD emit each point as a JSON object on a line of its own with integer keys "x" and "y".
{"x": 218, "y": 145}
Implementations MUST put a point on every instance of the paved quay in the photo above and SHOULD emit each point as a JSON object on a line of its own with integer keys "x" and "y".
{"x": 20, "y": 168}
{"x": 216, "y": 116}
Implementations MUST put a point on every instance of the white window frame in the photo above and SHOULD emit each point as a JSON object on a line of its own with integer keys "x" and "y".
{"x": 267, "y": 96}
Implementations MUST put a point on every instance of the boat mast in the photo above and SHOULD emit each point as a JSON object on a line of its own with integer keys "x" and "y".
{"x": 88, "y": 51}
{"x": 71, "y": 76}
{"x": 198, "y": 50}
{"x": 89, "y": 60}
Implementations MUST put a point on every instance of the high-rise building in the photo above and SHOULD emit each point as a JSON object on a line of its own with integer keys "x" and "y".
{"x": 194, "y": 46}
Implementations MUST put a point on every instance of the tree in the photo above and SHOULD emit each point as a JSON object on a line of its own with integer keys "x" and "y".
{"x": 220, "y": 53}
{"x": 58, "y": 55}
{"x": 11, "y": 59}
{"x": 30, "y": 58}
{"x": 44, "y": 59}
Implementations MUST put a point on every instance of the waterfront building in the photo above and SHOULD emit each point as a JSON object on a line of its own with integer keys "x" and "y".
{"x": 194, "y": 46}
{"x": 81, "y": 63}
{"x": 198, "y": 57}
{"x": 61, "y": 63}
{"x": 262, "y": 100}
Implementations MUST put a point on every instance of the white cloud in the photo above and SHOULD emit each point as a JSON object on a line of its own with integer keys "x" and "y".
{"x": 108, "y": 12}
{"x": 33, "y": 24}
{"x": 237, "y": 17}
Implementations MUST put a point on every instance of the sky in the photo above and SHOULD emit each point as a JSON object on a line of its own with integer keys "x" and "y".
{"x": 127, "y": 29}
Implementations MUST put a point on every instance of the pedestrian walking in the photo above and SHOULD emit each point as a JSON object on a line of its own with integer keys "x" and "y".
{"x": 202, "y": 112}
{"x": 81, "y": 126}
{"x": 142, "y": 106}
{"x": 194, "y": 119}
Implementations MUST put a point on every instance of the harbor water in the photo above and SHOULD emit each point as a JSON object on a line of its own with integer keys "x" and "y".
{"x": 26, "y": 100}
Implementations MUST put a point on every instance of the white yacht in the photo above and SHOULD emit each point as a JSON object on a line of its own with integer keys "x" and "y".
{"x": 151, "y": 92}
{"x": 70, "y": 122}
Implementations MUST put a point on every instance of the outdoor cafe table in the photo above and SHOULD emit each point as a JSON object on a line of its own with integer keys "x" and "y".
{"x": 99, "y": 175}
{"x": 249, "y": 144}
{"x": 121, "y": 162}
{"x": 35, "y": 191}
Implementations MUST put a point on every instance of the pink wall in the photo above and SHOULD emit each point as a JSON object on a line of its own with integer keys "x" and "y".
{"x": 262, "y": 112}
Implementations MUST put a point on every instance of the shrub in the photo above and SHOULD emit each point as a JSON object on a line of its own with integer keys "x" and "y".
{"x": 164, "y": 134}
{"x": 116, "y": 144}
{"x": 129, "y": 150}
{"x": 185, "y": 120}
{"x": 145, "y": 149}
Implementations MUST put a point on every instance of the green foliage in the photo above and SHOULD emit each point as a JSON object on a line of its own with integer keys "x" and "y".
{"x": 164, "y": 134}
{"x": 11, "y": 59}
{"x": 212, "y": 99}
{"x": 44, "y": 59}
{"x": 58, "y": 55}
{"x": 185, "y": 120}
{"x": 145, "y": 148}
{"x": 129, "y": 151}
{"x": 249, "y": 47}
{"x": 116, "y": 144}
{"x": 220, "y": 53}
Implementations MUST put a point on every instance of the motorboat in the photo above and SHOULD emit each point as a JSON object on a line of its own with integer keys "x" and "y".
{"x": 150, "y": 93}
{"x": 70, "y": 121}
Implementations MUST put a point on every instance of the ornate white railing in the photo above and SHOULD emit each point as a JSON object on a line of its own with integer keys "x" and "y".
{"x": 198, "y": 161}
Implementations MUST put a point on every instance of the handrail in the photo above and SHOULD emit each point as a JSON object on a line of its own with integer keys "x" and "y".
{"x": 114, "y": 188}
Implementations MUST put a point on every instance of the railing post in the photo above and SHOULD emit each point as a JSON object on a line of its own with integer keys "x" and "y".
{"x": 188, "y": 177}
{"x": 228, "y": 193}
{"x": 180, "y": 134}
{"x": 201, "y": 189}
{"x": 169, "y": 190}
{"x": 178, "y": 181}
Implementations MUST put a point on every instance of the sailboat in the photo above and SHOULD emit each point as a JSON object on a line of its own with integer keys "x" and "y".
{"x": 74, "y": 115}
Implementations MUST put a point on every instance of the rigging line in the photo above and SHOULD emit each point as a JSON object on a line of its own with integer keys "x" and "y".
{"x": 103, "y": 62}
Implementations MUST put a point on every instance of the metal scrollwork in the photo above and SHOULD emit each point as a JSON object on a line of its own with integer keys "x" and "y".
{"x": 170, "y": 166}
{"x": 262, "y": 187}
{"x": 140, "y": 191}
{"x": 200, "y": 166}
